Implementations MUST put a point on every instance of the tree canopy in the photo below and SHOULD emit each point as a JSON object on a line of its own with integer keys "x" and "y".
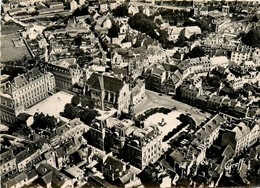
{"x": 120, "y": 11}
{"x": 81, "y": 11}
{"x": 144, "y": 24}
{"x": 252, "y": 38}
{"x": 196, "y": 52}
{"x": 113, "y": 31}
{"x": 75, "y": 100}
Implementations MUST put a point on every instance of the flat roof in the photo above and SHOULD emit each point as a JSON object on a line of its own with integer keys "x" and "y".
{"x": 105, "y": 114}
{"x": 4, "y": 77}
{"x": 3, "y": 127}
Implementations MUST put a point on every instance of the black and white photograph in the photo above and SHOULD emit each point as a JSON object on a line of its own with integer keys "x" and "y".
{"x": 129, "y": 93}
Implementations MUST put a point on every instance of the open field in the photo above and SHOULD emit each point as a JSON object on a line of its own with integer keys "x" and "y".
{"x": 8, "y": 51}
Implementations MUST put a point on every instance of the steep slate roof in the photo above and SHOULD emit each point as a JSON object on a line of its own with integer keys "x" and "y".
{"x": 114, "y": 163}
{"x": 241, "y": 130}
{"x": 209, "y": 127}
{"x": 6, "y": 156}
{"x": 169, "y": 67}
{"x": 50, "y": 174}
{"x": 23, "y": 78}
{"x": 110, "y": 83}
{"x": 177, "y": 156}
{"x": 24, "y": 154}
{"x": 17, "y": 179}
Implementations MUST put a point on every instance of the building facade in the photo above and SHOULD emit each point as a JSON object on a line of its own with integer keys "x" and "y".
{"x": 62, "y": 71}
{"x": 145, "y": 147}
{"x": 8, "y": 163}
{"x": 24, "y": 91}
{"x": 109, "y": 92}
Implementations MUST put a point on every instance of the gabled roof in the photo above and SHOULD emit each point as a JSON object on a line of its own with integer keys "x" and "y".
{"x": 241, "y": 130}
{"x": 50, "y": 174}
{"x": 228, "y": 151}
{"x": 177, "y": 156}
{"x": 16, "y": 180}
{"x": 209, "y": 127}
{"x": 110, "y": 83}
{"x": 115, "y": 163}
{"x": 6, "y": 156}
{"x": 26, "y": 77}
{"x": 169, "y": 67}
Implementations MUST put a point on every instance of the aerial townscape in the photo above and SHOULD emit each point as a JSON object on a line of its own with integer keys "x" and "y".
{"x": 130, "y": 93}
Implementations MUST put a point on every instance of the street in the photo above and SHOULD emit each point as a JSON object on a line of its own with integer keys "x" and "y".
{"x": 153, "y": 100}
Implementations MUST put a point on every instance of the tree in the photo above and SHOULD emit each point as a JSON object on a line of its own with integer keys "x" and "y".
{"x": 196, "y": 52}
{"x": 78, "y": 40}
{"x": 91, "y": 104}
{"x": 181, "y": 39}
{"x": 87, "y": 115}
{"x": 71, "y": 111}
{"x": 113, "y": 31}
{"x": 75, "y": 100}
{"x": 81, "y": 11}
{"x": 204, "y": 25}
{"x": 6, "y": 142}
{"x": 84, "y": 102}
{"x": 252, "y": 38}
{"x": 120, "y": 11}
{"x": 255, "y": 19}
{"x": 144, "y": 24}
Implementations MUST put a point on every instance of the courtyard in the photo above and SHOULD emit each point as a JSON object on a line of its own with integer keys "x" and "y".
{"x": 52, "y": 105}
{"x": 170, "y": 121}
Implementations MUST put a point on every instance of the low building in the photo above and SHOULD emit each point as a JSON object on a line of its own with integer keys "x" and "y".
{"x": 51, "y": 177}
{"x": 73, "y": 5}
{"x": 55, "y": 4}
{"x": 117, "y": 172}
{"x": 4, "y": 78}
{"x": 103, "y": 6}
{"x": 73, "y": 129}
{"x": 17, "y": 181}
